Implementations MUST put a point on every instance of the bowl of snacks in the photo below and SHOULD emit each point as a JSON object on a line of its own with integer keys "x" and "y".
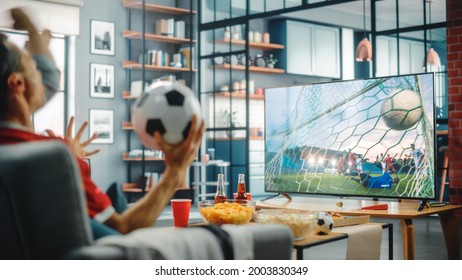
{"x": 301, "y": 223}
{"x": 228, "y": 212}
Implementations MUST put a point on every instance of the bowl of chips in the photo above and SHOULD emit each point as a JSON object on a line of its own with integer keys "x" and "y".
{"x": 300, "y": 222}
{"x": 228, "y": 212}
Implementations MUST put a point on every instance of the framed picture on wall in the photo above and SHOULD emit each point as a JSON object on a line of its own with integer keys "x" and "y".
{"x": 102, "y": 122}
{"x": 101, "y": 80}
{"x": 102, "y": 37}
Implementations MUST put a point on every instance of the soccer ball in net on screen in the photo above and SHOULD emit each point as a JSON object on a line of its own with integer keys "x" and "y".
{"x": 402, "y": 110}
{"x": 166, "y": 107}
{"x": 324, "y": 224}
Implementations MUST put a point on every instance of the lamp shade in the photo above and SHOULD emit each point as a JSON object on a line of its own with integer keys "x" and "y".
{"x": 433, "y": 58}
{"x": 364, "y": 51}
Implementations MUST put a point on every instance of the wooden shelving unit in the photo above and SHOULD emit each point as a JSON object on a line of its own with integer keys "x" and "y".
{"x": 135, "y": 65}
{"x": 138, "y": 5}
{"x": 255, "y": 69}
{"x": 125, "y": 157}
{"x": 239, "y": 95}
{"x": 252, "y": 45}
{"x": 130, "y": 34}
{"x": 150, "y": 41}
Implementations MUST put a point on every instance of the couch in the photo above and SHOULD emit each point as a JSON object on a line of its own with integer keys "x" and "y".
{"x": 43, "y": 216}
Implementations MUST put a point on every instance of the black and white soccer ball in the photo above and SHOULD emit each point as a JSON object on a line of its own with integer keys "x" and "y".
{"x": 324, "y": 224}
{"x": 166, "y": 107}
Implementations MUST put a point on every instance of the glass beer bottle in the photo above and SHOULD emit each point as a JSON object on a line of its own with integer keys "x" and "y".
{"x": 220, "y": 196}
{"x": 241, "y": 191}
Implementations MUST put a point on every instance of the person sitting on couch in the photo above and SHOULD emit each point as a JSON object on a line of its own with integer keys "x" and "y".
{"x": 24, "y": 83}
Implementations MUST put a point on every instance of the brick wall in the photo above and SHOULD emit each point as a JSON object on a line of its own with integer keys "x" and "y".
{"x": 454, "y": 56}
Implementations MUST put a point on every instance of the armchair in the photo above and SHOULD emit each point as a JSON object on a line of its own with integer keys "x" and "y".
{"x": 43, "y": 215}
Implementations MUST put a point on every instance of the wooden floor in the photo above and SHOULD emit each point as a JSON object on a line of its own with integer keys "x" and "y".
{"x": 429, "y": 241}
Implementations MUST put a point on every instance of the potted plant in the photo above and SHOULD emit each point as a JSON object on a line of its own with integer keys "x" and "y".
{"x": 271, "y": 61}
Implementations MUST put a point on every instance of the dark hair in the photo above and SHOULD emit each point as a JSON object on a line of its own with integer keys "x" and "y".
{"x": 10, "y": 61}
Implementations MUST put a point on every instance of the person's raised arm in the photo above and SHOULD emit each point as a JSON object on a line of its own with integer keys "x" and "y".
{"x": 177, "y": 160}
{"x": 38, "y": 48}
{"x": 38, "y": 43}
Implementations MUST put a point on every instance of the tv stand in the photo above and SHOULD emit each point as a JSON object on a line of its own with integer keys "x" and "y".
{"x": 276, "y": 195}
{"x": 423, "y": 205}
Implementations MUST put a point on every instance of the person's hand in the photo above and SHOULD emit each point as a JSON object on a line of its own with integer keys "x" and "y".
{"x": 21, "y": 20}
{"x": 183, "y": 154}
{"x": 77, "y": 146}
{"x": 38, "y": 43}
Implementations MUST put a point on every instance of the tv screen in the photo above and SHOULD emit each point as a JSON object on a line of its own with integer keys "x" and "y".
{"x": 372, "y": 137}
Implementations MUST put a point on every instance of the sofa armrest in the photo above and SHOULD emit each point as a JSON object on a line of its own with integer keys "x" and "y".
{"x": 269, "y": 242}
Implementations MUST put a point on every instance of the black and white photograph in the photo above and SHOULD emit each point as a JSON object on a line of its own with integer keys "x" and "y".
{"x": 102, "y": 37}
{"x": 101, "y": 80}
{"x": 102, "y": 122}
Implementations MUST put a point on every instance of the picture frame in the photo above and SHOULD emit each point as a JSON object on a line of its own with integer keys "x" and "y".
{"x": 102, "y": 39}
{"x": 101, "y": 80}
{"x": 102, "y": 122}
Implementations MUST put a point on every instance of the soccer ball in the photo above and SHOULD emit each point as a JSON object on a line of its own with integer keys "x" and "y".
{"x": 324, "y": 224}
{"x": 402, "y": 110}
{"x": 165, "y": 107}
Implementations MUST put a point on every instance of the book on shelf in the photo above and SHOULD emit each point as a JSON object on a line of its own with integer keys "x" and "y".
{"x": 161, "y": 27}
{"x": 180, "y": 29}
{"x": 187, "y": 54}
{"x": 136, "y": 88}
{"x": 170, "y": 27}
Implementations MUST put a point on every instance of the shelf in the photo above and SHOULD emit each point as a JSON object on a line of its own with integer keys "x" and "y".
{"x": 127, "y": 126}
{"x": 130, "y": 34}
{"x": 126, "y": 95}
{"x": 251, "y": 68}
{"x": 135, "y": 65}
{"x": 236, "y": 138}
{"x": 156, "y": 8}
{"x": 239, "y": 95}
{"x": 252, "y": 45}
{"x": 125, "y": 157}
{"x": 131, "y": 188}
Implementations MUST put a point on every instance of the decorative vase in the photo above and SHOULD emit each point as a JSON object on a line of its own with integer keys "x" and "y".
{"x": 270, "y": 65}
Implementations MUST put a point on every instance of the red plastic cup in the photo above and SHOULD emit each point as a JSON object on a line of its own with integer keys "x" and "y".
{"x": 181, "y": 209}
{"x": 249, "y": 196}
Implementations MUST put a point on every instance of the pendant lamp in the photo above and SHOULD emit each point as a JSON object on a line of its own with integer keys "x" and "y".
{"x": 364, "y": 49}
{"x": 432, "y": 57}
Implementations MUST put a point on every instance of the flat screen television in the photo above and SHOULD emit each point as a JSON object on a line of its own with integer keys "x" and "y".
{"x": 365, "y": 138}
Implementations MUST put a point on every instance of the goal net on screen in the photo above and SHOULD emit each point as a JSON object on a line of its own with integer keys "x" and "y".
{"x": 365, "y": 137}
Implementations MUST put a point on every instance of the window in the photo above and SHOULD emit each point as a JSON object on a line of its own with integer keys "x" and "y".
{"x": 52, "y": 115}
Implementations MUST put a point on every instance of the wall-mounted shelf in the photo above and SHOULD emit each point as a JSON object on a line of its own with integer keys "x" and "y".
{"x": 126, "y": 95}
{"x": 131, "y": 188}
{"x": 255, "y": 69}
{"x": 239, "y": 95}
{"x": 127, "y": 126}
{"x": 157, "y": 8}
{"x": 135, "y": 65}
{"x": 238, "y": 138}
{"x": 130, "y": 34}
{"x": 252, "y": 45}
{"x": 125, "y": 157}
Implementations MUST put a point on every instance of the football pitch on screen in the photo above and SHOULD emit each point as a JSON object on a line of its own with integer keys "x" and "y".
{"x": 325, "y": 183}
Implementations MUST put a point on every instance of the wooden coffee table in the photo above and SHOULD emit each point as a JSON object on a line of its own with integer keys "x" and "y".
{"x": 316, "y": 240}
{"x": 406, "y": 211}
